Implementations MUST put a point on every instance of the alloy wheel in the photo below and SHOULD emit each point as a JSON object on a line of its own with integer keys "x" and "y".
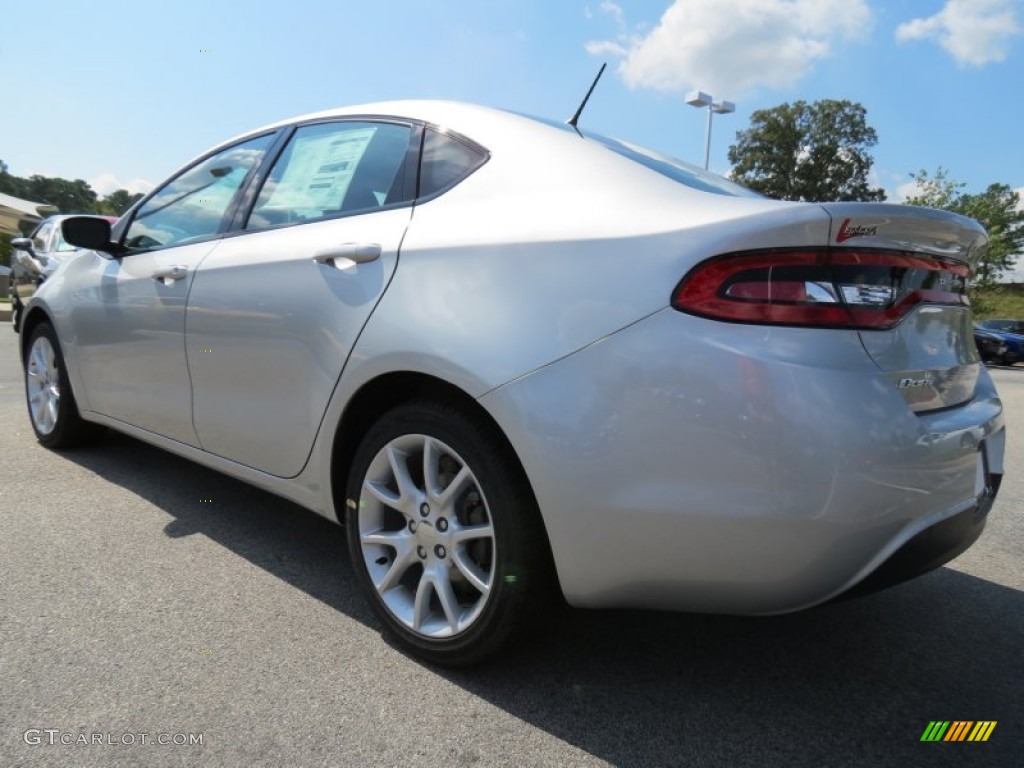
{"x": 426, "y": 536}
{"x": 43, "y": 384}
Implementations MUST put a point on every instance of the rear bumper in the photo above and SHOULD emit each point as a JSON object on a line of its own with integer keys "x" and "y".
{"x": 692, "y": 465}
{"x": 933, "y": 547}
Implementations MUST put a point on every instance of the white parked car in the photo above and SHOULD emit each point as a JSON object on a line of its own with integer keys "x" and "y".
{"x": 33, "y": 259}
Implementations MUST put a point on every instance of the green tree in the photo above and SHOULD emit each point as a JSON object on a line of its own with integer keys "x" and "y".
{"x": 10, "y": 185}
{"x": 997, "y": 209}
{"x": 69, "y": 196}
{"x": 117, "y": 202}
{"x": 809, "y": 152}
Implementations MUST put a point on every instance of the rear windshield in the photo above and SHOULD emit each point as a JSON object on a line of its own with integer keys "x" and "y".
{"x": 679, "y": 171}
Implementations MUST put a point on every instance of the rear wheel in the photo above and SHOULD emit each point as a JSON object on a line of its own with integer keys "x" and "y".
{"x": 445, "y": 535}
{"x": 51, "y": 405}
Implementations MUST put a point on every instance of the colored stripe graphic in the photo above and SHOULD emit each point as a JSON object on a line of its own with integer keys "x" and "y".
{"x": 982, "y": 730}
{"x": 958, "y": 730}
{"x": 935, "y": 730}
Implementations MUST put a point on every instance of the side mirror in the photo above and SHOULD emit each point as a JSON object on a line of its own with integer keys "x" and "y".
{"x": 22, "y": 244}
{"x": 88, "y": 232}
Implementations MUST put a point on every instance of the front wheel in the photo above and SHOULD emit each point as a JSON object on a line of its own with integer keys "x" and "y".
{"x": 445, "y": 535}
{"x": 51, "y": 405}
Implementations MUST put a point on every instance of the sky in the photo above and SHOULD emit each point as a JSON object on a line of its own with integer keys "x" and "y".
{"x": 122, "y": 94}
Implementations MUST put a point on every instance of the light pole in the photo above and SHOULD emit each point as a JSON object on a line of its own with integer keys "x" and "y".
{"x": 701, "y": 99}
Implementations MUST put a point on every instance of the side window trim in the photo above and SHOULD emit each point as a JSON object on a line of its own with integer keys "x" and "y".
{"x": 238, "y": 212}
{"x": 125, "y": 222}
{"x": 410, "y": 169}
{"x": 412, "y": 163}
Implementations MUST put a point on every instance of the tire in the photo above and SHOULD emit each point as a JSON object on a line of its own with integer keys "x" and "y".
{"x": 458, "y": 572}
{"x": 52, "y": 410}
{"x": 16, "y": 308}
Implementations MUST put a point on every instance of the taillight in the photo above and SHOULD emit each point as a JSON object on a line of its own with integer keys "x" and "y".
{"x": 834, "y": 288}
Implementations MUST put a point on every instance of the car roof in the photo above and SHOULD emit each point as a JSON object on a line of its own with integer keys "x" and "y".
{"x": 449, "y": 114}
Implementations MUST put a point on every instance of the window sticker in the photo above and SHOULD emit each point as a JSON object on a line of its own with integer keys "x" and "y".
{"x": 319, "y": 171}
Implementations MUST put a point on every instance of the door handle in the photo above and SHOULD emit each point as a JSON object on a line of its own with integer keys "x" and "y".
{"x": 358, "y": 253}
{"x": 167, "y": 275}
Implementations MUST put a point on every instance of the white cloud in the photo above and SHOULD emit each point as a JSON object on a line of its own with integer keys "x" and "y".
{"x": 614, "y": 11}
{"x": 729, "y": 47}
{"x": 974, "y": 32}
{"x": 600, "y": 47}
{"x": 903, "y": 191}
{"x": 106, "y": 183}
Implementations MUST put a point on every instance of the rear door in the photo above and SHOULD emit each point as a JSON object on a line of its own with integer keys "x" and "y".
{"x": 275, "y": 310}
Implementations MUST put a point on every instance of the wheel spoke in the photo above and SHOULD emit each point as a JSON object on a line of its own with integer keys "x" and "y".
{"x": 470, "y": 532}
{"x": 455, "y": 487}
{"x": 449, "y": 603}
{"x": 382, "y": 494}
{"x": 51, "y": 412}
{"x": 402, "y": 542}
{"x": 431, "y": 467}
{"x": 395, "y": 573}
{"x": 44, "y": 423}
{"x": 473, "y": 573}
{"x": 37, "y": 360}
{"x": 397, "y": 540}
{"x": 400, "y": 469}
{"x": 421, "y": 606}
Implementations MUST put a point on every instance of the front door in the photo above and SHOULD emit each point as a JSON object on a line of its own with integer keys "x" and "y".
{"x": 130, "y": 311}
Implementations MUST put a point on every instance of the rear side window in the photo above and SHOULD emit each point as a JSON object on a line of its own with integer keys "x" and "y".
{"x": 446, "y": 161}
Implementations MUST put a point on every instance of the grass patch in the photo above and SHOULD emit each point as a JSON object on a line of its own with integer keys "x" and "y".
{"x": 1001, "y": 301}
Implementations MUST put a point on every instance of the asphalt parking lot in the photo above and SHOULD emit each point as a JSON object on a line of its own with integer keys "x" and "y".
{"x": 143, "y": 595}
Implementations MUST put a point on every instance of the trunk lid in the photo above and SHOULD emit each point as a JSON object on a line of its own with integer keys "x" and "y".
{"x": 930, "y": 356}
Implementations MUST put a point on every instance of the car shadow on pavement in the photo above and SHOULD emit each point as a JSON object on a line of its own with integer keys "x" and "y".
{"x": 854, "y": 683}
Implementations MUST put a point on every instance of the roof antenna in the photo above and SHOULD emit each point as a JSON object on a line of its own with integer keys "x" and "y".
{"x": 575, "y": 118}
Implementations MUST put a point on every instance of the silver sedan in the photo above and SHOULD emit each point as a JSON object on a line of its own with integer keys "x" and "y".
{"x": 523, "y": 362}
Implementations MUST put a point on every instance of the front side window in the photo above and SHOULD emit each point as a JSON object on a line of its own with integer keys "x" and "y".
{"x": 331, "y": 169}
{"x": 192, "y": 206}
{"x": 41, "y": 237}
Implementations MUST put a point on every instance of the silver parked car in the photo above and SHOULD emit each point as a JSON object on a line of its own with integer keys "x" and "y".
{"x": 34, "y": 258}
{"x": 514, "y": 358}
